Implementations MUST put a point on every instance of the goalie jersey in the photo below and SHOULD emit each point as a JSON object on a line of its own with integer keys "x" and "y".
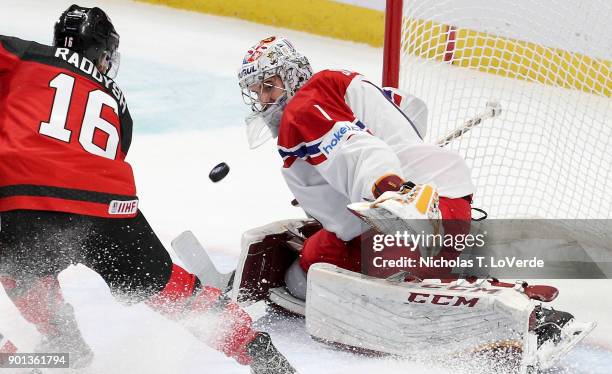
{"x": 65, "y": 130}
{"x": 340, "y": 133}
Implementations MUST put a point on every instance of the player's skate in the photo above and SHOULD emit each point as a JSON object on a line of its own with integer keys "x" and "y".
{"x": 266, "y": 358}
{"x": 554, "y": 333}
{"x": 67, "y": 339}
{"x": 413, "y": 209}
{"x": 17, "y": 335}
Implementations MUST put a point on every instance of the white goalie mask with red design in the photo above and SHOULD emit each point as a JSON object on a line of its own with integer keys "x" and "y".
{"x": 271, "y": 57}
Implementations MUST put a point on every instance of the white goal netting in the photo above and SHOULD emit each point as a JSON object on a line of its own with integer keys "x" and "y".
{"x": 549, "y": 154}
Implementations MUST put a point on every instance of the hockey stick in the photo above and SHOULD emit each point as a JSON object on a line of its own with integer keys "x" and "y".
{"x": 493, "y": 110}
{"x": 196, "y": 260}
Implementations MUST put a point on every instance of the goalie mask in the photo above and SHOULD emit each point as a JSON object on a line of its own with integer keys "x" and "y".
{"x": 271, "y": 73}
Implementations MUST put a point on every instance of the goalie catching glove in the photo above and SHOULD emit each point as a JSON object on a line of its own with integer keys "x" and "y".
{"x": 407, "y": 196}
{"x": 397, "y": 202}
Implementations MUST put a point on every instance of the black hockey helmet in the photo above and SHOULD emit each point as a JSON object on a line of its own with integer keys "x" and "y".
{"x": 89, "y": 32}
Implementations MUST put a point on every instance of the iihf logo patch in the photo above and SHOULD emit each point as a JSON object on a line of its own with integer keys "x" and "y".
{"x": 123, "y": 207}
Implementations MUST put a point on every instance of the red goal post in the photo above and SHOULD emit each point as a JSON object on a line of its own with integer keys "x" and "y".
{"x": 392, "y": 43}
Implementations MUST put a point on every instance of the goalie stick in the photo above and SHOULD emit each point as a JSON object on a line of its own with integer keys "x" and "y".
{"x": 196, "y": 260}
{"x": 493, "y": 110}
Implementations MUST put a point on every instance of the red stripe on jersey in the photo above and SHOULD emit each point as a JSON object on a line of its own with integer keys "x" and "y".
{"x": 397, "y": 99}
{"x": 289, "y": 161}
{"x": 58, "y": 205}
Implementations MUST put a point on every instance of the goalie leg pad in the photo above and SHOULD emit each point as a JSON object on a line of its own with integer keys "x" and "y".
{"x": 408, "y": 318}
{"x": 267, "y": 253}
{"x": 433, "y": 318}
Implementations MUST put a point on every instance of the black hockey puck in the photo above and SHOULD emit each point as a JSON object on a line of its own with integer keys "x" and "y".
{"x": 219, "y": 172}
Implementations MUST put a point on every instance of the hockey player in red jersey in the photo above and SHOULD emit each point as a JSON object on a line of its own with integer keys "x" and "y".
{"x": 67, "y": 195}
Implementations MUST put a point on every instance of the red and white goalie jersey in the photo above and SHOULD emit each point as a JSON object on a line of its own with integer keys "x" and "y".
{"x": 340, "y": 133}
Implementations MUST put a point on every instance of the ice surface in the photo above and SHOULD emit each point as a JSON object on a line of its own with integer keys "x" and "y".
{"x": 178, "y": 72}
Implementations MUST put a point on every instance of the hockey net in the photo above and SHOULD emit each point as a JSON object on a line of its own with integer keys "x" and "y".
{"x": 549, "y": 154}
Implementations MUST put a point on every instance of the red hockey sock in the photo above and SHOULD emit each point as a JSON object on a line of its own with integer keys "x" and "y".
{"x": 39, "y": 303}
{"x": 184, "y": 297}
{"x": 234, "y": 329}
{"x": 172, "y": 300}
{"x": 6, "y": 346}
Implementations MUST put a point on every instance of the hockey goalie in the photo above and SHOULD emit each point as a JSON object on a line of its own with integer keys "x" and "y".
{"x": 353, "y": 152}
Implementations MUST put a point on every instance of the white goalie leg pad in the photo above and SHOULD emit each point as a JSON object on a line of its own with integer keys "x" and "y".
{"x": 14, "y": 328}
{"x": 407, "y": 318}
{"x": 414, "y": 211}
